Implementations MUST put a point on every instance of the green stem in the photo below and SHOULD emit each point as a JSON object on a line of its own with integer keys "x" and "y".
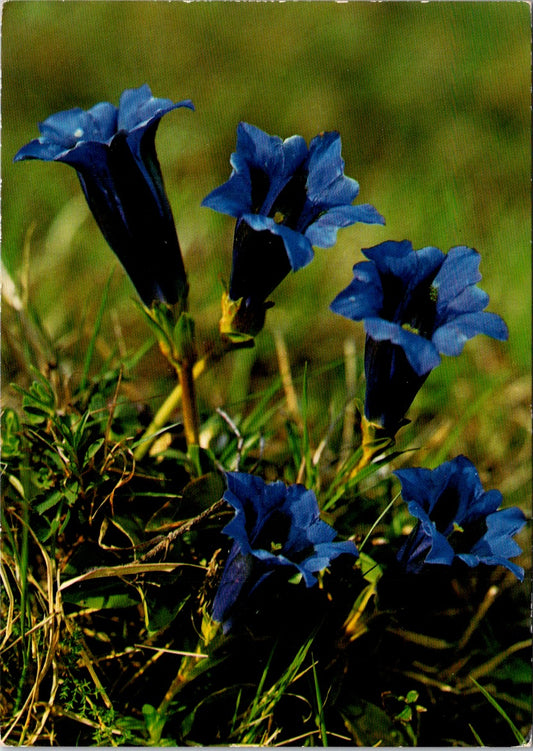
{"x": 164, "y": 412}
{"x": 191, "y": 420}
{"x": 176, "y": 396}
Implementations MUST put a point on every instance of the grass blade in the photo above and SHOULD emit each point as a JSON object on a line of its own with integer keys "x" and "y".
{"x": 516, "y": 732}
{"x": 476, "y": 736}
{"x": 320, "y": 710}
{"x": 94, "y": 337}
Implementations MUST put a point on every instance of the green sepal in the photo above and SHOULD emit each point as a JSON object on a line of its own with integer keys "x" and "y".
{"x": 183, "y": 338}
{"x": 375, "y": 441}
{"x": 160, "y": 318}
{"x": 239, "y": 324}
{"x": 174, "y": 332}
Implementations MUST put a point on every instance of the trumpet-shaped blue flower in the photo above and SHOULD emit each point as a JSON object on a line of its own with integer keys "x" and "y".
{"x": 274, "y": 527}
{"x": 457, "y": 519}
{"x": 286, "y": 198}
{"x": 113, "y": 151}
{"x": 416, "y": 305}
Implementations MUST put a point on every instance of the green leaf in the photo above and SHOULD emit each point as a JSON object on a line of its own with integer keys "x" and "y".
{"x": 93, "y": 450}
{"x": 57, "y": 524}
{"x": 11, "y": 439}
{"x": 319, "y": 719}
{"x": 370, "y": 726}
{"x": 79, "y": 431}
{"x": 155, "y": 723}
{"x": 52, "y": 500}
{"x": 71, "y": 492}
{"x": 200, "y": 494}
{"x": 355, "y": 624}
{"x": 406, "y": 715}
{"x": 39, "y": 401}
{"x": 16, "y": 483}
{"x": 160, "y": 616}
{"x": 104, "y": 596}
{"x": 516, "y": 670}
{"x": 371, "y": 571}
{"x": 43, "y": 478}
{"x": 126, "y": 525}
{"x": 411, "y": 697}
{"x": 159, "y": 318}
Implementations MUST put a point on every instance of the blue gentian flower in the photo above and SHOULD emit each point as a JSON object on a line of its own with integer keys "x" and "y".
{"x": 457, "y": 519}
{"x": 286, "y": 198}
{"x": 113, "y": 151}
{"x": 416, "y": 305}
{"x": 274, "y": 527}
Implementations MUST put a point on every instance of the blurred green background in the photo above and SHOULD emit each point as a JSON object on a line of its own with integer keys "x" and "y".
{"x": 432, "y": 103}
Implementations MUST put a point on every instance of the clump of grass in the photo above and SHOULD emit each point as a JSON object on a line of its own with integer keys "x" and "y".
{"x": 109, "y": 566}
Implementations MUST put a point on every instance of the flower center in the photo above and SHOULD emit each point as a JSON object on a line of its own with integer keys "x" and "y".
{"x": 414, "y": 307}
{"x": 289, "y": 204}
{"x": 462, "y": 539}
{"x": 273, "y": 533}
{"x": 408, "y": 327}
{"x": 260, "y": 184}
{"x": 421, "y": 310}
{"x": 444, "y": 511}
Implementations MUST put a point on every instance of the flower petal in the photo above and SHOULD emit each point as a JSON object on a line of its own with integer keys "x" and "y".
{"x": 298, "y": 247}
{"x": 233, "y": 197}
{"x": 326, "y": 184}
{"x": 459, "y": 270}
{"x": 363, "y": 297}
{"x": 497, "y": 544}
{"x": 454, "y": 489}
{"x": 274, "y": 527}
{"x": 323, "y": 231}
{"x": 398, "y": 259}
{"x": 421, "y": 353}
{"x": 235, "y": 575}
{"x": 451, "y": 337}
{"x": 138, "y": 109}
{"x": 71, "y": 126}
{"x": 40, "y": 149}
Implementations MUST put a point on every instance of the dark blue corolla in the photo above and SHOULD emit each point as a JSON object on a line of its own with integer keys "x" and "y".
{"x": 113, "y": 151}
{"x": 286, "y": 198}
{"x": 275, "y": 526}
{"x": 416, "y": 305}
{"x": 457, "y": 519}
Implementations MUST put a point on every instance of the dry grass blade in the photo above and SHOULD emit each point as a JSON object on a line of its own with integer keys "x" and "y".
{"x": 127, "y": 569}
{"x": 10, "y": 608}
{"x": 487, "y": 667}
{"x": 44, "y": 636}
{"x": 197, "y": 655}
{"x": 348, "y": 427}
{"x": 284, "y": 366}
